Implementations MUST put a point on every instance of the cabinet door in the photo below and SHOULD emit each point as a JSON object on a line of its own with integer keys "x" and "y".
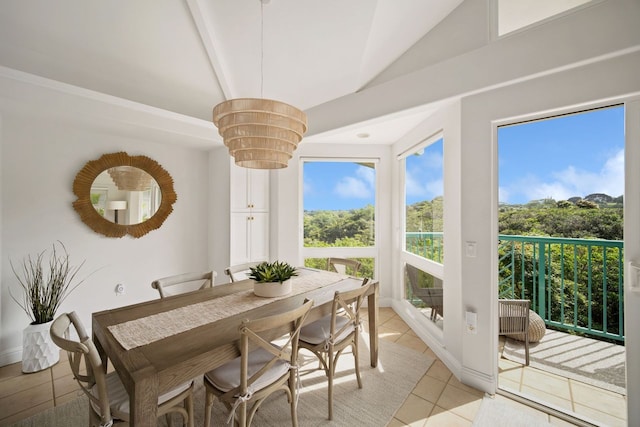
{"x": 239, "y": 191}
{"x": 239, "y": 246}
{"x": 259, "y": 236}
{"x": 258, "y": 189}
{"x": 249, "y": 189}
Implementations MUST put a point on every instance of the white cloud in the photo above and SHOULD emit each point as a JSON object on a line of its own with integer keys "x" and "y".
{"x": 360, "y": 186}
{"x": 415, "y": 187}
{"x": 368, "y": 175}
{"x": 571, "y": 182}
{"x": 350, "y": 187}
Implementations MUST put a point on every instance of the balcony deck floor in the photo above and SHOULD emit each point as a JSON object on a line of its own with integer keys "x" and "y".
{"x": 561, "y": 392}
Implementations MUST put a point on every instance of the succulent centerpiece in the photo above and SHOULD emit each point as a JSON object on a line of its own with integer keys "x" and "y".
{"x": 272, "y": 279}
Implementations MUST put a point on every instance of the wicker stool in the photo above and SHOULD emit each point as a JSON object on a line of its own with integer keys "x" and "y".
{"x": 537, "y": 328}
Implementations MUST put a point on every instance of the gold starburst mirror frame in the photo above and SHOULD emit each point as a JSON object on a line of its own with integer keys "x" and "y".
{"x": 125, "y": 171}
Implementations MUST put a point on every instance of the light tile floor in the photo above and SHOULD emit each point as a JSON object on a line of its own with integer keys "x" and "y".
{"x": 438, "y": 399}
{"x": 601, "y": 406}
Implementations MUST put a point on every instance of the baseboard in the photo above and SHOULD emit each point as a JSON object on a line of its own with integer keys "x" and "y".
{"x": 11, "y": 356}
{"x": 478, "y": 380}
{"x": 430, "y": 334}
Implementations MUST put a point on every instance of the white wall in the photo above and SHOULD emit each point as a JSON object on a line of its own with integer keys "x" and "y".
{"x": 39, "y": 161}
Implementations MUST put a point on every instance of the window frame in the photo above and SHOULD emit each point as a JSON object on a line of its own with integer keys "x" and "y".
{"x": 342, "y": 252}
{"x": 429, "y": 266}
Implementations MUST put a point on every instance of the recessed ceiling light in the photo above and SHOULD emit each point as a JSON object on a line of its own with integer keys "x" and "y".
{"x": 363, "y": 135}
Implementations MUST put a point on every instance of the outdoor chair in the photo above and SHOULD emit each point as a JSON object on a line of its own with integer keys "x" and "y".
{"x": 431, "y": 297}
{"x": 263, "y": 367}
{"x": 181, "y": 283}
{"x": 344, "y": 266}
{"x": 108, "y": 399}
{"x": 327, "y": 337}
{"x": 514, "y": 320}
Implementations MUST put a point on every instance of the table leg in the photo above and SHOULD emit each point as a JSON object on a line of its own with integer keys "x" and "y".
{"x": 372, "y": 305}
{"x": 101, "y": 353}
{"x": 143, "y": 401}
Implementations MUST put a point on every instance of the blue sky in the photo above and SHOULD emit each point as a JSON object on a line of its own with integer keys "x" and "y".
{"x": 573, "y": 155}
{"x": 338, "y": 186}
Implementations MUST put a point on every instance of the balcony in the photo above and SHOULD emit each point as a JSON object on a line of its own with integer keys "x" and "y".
{"x": 576, "y": 287}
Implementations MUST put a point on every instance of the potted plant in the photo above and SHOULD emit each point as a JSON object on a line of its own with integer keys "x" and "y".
{"x": 272, "y": 279}
{"x": 43, "y": 290}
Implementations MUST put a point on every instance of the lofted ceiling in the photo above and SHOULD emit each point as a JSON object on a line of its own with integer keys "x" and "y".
{"x": 185, "y": 56}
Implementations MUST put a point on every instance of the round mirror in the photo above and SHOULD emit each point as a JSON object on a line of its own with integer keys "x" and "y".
{"x": 120, "y": 194}
{"x": 125, "y": 195}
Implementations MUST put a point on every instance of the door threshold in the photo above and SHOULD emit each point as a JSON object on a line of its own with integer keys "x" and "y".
{"x": 548, "y": 408}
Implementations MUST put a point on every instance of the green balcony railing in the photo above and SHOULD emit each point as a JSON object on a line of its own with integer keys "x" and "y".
{"x": 573, "y": 284}
{"x": 426, "y": 244}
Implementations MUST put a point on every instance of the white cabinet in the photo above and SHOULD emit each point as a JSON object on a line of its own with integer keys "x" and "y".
{"x": 249, "y": 189}
{"x": 249, "y": 237}
{"x": 249, "y": 227}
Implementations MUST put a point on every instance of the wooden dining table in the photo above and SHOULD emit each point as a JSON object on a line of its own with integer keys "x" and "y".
{"x": 151, "y": 369}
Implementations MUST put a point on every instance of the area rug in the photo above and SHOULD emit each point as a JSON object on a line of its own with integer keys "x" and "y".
{"x": 496, "y": 413}
{"x": 590, "y": 361}
{"x": 384, "y": 390}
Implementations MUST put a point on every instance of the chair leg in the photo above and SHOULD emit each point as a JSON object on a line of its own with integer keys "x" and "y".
{"x": 526, "y": 348}
{"x": 332, "y": 368}
{"x": 357, "y": 365}
{"x": 189, "y": 404}
{"x": 207, "y": 409}
{"x": 293, "y": 398}
{"x": 242, "y": 414}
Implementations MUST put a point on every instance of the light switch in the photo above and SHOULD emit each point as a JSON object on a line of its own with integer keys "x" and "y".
{"x": 634, "y": 277}
{"x": 471, "y": 249}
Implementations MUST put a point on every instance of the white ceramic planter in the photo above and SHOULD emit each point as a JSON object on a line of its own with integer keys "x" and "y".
{"x": 38, "y": 350}
{"x": 271, "y": 290}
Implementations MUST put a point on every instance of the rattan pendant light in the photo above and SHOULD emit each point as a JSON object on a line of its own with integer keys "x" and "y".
{"x": 260, "y": 133}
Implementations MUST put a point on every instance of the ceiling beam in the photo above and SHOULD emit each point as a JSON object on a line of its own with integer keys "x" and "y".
{"x": 205, "y": 30}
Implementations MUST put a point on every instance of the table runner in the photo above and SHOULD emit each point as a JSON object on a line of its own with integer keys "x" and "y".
{"x": 138, "y": 332}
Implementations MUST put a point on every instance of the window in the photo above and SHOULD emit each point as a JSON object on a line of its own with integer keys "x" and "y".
{"x": 339, "y": 212}
{"x": 424, "y": 197}
{"x": 424, "y": 228}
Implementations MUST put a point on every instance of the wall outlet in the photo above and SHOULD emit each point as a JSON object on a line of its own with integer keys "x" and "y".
{"x": 119, "y": 289}
{"x": 471, "y": 322}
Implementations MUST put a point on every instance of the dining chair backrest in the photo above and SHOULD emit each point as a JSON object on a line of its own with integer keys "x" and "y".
{"x": 327, "y": 337}
{"x": 344, "y": 266}
{"x": 108, "y": 399}
{"x": 240, "y": 271}
{"x": 181, "y": 283}
{"x": 84, "y": 360}
{"x": 264, "y": 366}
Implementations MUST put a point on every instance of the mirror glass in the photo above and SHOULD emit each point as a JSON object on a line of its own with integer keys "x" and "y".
{"x": 120, "y": 194}
{"x": 125, "y": 195}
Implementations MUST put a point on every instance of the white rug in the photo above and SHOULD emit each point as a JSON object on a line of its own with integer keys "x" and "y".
{"x": 384, "y": 390}
{"x": 496, "y": 413}
{"x": 590, "y": 361}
